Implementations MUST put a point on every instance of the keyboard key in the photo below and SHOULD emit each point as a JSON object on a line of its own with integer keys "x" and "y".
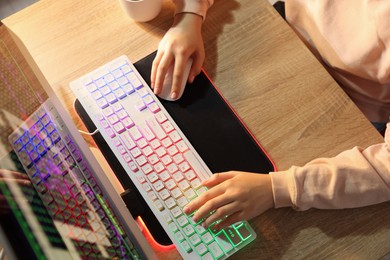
{"x": 186, "y": 246}
{"x": 153, "y": 107}
{"x": 176, "y": 212}
{"x": 244, "y": 232}
{"x": 233, "y": 235}
{"x": 128, "y": 88}
{"x": 146, "y": 132}
{"x": 215, "y": 249}
{"x": 135, "y": 133}
{"x": 207, "y": 256}
{"x": 128, "y": 141}
{"x": 201, "y": 249}
{"x": 182, "y": 201}
{"x": 167, "y": 126}
{"x": 224, "y": 242}
{"x": 159, "y": 205}
{"x": 207, "y": 238}
{"x": 161, "y": 118}
{"x": 172, "y": 226}
{"x": 134, "y": 80}
{"x": 164, "y": 176}
{"x": 179, "y": 236}
{"x": 140, "y": 105}
{"x": 164, "y": 194}
{"x": 176, "y": 192}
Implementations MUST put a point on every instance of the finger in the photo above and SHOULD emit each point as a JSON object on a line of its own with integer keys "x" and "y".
{"x": 195, "y": 68}
{"x": 177, "y": 76}
{"x": 155, "y": 65}
{"x": 213, "y": 192}
{"x": 202, "y": 200}
{"x": 22, "y": 182}
{"x": 221, "y": 214}
{"x": 163, "y": 67}
{"x": 210, "y": 205}
{"x": 230, "y": 220}
{"x": 13, "y": 174}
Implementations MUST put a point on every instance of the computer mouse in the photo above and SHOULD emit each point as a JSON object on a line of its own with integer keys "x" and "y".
{"x": 167, "y": 85}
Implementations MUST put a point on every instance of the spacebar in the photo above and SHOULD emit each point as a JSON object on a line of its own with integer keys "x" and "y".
{"x": 196, "y": 166}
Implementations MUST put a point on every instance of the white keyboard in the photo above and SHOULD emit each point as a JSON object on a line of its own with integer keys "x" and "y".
{"x": 156, "y": 155}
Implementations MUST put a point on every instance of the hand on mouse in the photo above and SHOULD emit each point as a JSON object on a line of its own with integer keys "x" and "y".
{"x": 232, "y": 197}
{"x": 182, "y": 41}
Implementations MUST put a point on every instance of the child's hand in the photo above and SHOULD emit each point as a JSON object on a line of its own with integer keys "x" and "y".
{"x": 234, "y": 196}
{"x": 182, "y": 41}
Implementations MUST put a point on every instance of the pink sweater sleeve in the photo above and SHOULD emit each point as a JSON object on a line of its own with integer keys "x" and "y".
{"x": 354, "y": 178}
{"x": 193, "y": 6}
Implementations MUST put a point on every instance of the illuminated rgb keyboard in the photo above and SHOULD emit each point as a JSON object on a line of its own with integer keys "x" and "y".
{"x": 67, "y": 188}
{"x": 156, "y": 155}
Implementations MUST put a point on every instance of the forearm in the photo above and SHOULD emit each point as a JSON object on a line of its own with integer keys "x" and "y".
{"x": 354, "y": 178}
{"x": 191, "y": 21}
{"x": 199, "y": 7}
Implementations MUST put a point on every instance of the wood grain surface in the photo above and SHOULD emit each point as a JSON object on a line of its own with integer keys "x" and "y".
{"x": 278, "y": 88}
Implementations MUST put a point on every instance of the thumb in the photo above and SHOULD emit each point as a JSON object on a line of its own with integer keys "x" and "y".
{"x": 195, "y": 69}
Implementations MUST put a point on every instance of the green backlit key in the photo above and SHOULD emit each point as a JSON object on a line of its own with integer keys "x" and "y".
{"x": 233, "y": 235}
{"x": 243, "y": 231}
{"x": 224, "y": 242}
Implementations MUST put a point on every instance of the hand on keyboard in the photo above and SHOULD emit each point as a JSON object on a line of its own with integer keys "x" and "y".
{"x": 232, "y": 197}
{"x": 182, "y": 41}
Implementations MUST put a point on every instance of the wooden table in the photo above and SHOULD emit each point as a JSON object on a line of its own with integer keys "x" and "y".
{"x": 282, "y": 93}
